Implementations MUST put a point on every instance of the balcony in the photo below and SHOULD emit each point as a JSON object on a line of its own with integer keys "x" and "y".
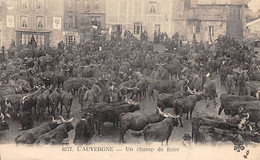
{"x": 70, "y": 26}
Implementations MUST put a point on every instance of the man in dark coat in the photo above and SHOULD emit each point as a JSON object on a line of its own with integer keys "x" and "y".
{"x": 210, "y": 90}
{"x": 84, "y": 129}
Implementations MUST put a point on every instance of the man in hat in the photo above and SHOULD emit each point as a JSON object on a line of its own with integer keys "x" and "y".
{"x": 210, "y": 90}
{"x": 84, "y": 130}
{"x": 89, "y": 98}
{"x": 97, "y": 91}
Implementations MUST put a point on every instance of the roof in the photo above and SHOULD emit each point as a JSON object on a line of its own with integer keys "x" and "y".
{"x": 253, "y": 22}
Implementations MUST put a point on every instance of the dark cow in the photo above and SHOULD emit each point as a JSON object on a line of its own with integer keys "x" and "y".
{"x": 56, "y": 135}
{"x": 213, "y": 121}
{"x": 166, "y": 100}
{"x": 54, "y": 100}
{"x": 58, "y": 79}
{"x": 104, "y": 113}
{"x": 12, "y": 103}
{"x": 73, "y": 84}
{"x": 30, "y": 136}
{"x": 3, "y": 124}
{"x": 160, "y": 131}
{"x": 66, "y": 100}
{"x": 225, "y": 99}
{"x": 136, "y": 121}
{"x": 186, "y": 105}
{"x": 42, "y": 103}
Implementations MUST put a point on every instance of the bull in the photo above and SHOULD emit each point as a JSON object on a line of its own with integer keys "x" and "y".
{"x": 31, "y": 135}
{"x": 56, "y": 135}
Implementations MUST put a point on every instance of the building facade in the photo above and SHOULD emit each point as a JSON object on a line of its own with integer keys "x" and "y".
{"x": 24, "y": 19}
{"x": 206, "y": 19}
{"x": 139, "y": 15}
{"x": 80, "y": 16}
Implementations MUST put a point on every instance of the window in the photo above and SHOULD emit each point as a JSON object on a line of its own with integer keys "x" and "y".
{"x": 39, "y": 4}
{"x": 211, "y": 31}
{"x": 70, "y": 39}
{"x": 152, "y": 7}
{"x": 138, "y": 28}
{"x": 24, "y": 4}
{"x": 40, "y": 21}
{"x": 187, "y": 4}
{"x": 198, "y": 27}
{"x": 234, "y": 12}
{"x": 24, "y": 21}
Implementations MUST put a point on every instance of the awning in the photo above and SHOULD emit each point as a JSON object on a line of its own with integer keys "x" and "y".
{"x": 33, "y": 31}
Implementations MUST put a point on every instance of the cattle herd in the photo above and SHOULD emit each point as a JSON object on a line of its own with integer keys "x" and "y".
{"x": 110, "y": 78}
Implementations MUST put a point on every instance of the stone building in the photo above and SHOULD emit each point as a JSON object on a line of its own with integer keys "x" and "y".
{"x": 139, "y": 15}
{"x": 24, "y": 19}
{"x": 80, "y": 16}
{"x": 206, "y": 19}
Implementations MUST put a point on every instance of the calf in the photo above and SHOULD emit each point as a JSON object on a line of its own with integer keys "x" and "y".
{"x": 57, "y": 135}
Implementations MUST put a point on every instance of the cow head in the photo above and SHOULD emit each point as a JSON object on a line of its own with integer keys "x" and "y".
{"x": 68, "y": 124}
{"x": 54, "y": 123}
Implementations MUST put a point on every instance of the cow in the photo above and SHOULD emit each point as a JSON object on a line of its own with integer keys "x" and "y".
{"x": 103, "y": 113}
{"x": 136, "y": 121}
{"x": 225, "y": 99}
{"x": 54, "y": 100}
{"x": 3, "y": 124}
{"x": 12, "y": 103}
{"x": 42, "y": 103}
{"x": 186, "y": 105}
{"x": 56, "y": 135}
{"x": 209, "y": 134}
{"x": 30, "y": 100}
{"x": 31, "y": 135}
{"x": 166, "y": 100}
{"x": 162, "y": 130}
{"x": 66, "y": 100}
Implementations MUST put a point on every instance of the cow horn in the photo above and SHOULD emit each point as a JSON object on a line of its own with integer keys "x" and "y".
{"x": 53, "y": 120}
{"x": 70, "y": 120}
{"x": 2, "y": 116}
{"x": 62, "y": 119}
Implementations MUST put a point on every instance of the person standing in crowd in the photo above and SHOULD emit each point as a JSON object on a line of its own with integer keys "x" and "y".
{"x": 97, "y": 91}
{"x": 210, "y": 90}
{"x": 155, "y": 37}
{"x": 84, "y": 130}
{"x": 89, "y": 98}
